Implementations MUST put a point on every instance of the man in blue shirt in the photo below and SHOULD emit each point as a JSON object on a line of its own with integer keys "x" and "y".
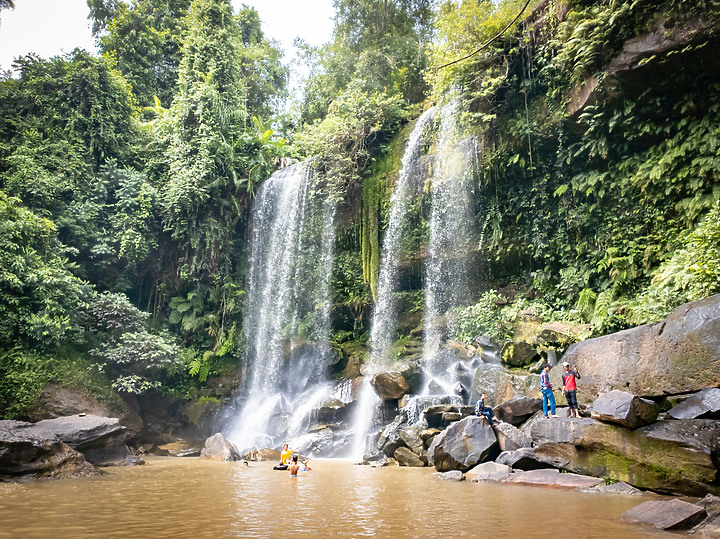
{"x": 547, "y": 392}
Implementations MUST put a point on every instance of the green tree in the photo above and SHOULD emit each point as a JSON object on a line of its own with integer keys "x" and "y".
{"x": 143, "y": 40}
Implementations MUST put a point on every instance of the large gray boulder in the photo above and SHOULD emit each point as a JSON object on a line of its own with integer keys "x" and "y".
{"x": 677, "y": 457}
{"x": 100, "y": 439}
{"x": 511, "y": 438}
{"x": 218, "y": 448}
{"x": 704, "y": 404}
{"x": 500, "y": 385}
{"x": 390, "y": 385}
{"x": 488, "y": 471}
{"x": 27, "y": 449}
{"x": 518, "y": 410}
{"x": 462, "y": 445}
{"x": 680, "y": 354}
{"x": 625, "y": 409}
{"x": 666, "y": 514}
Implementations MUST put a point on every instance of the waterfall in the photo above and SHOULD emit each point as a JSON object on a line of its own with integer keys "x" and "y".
{"x": 384, "y": 320}
{"x": 287, "y": 316}
{"x": 452, "y": 240}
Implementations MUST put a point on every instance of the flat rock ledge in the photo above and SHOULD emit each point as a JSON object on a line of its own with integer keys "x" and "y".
{"x": 666, "y": 515}
{"x": 553, "y": 479}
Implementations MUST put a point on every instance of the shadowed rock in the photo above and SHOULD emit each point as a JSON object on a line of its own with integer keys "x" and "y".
{"x": 704, "y": 404}
{"x": 405, "y": 457}
{"x": 522, "y": 459}
{"x": 517, "y": 410}
{"x": 511, "y": 438}
{"x": 27, "y": 449}
{"x": 462, "y": 445}
{"x": 708, "y": 529}
{"x": 666, "y": 515}
{"x": 625, "y": 409}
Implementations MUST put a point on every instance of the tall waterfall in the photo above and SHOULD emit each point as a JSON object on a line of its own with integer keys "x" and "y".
{"x": 384, "y": 320}
{"x": 452, "y": 235}
{"x": 287, "y": 317}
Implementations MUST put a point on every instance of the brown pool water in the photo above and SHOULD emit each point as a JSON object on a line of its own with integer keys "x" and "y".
{"x": 188, "y": 497}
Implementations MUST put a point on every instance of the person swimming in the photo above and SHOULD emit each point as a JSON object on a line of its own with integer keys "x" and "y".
{"x": 294, "y": 467}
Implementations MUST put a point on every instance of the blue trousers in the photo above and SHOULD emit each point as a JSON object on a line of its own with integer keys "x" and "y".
{"x": 547, "y": 395}
{"x": 488, "y": 414}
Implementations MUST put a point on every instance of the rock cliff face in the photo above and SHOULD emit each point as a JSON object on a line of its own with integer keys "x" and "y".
{"x": 678, "y": 355}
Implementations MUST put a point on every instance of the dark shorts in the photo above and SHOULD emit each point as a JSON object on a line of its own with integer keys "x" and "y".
{"x": 571, "y": 397}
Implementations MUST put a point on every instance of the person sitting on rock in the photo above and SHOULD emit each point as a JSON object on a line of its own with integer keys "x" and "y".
{"x": 484, "y": 411}
{"x": 547, "y": 392}
{"x": 570, "y": 388}
{"x": 294, "y": 467}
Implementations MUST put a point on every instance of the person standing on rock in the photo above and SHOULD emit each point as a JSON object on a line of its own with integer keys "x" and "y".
{"x": 570, "y": 389}
{"x": 547, "y": 392}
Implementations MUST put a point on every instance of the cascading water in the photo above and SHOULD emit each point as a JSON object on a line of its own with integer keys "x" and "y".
{"x": 451, "y": 244}
{"x": 384, "y": 320}
{"x": 287, "y": 317}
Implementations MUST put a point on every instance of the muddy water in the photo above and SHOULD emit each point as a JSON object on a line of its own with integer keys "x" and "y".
{"x": 173, "y": 497}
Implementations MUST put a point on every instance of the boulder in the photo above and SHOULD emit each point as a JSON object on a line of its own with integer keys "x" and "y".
{"x": 500, "y": 385}
{"x": 677, "y": 355}
{"x": 390, "y": 385}
{"x": 428, "y": 435}
{"x": 462, "y": 445}
{"x": 510, "y": 438}
{"x": 676, "y": 457}
{"x": 562, "y": 334}
{"x": 218, "y": 448}
{"x": 389, "y": 439}
{"x": 625, "y": 409}
{"x": 708, "y": 529}
{"x": 100, "y": 439}
{"x": 412, "y": 439}
{"x": 452, "y": 475}
{"x": 517, "y": 410}
{"x": 553, "y": 478}
{"x": 441, "y": 415}
{"x": 666, "y": 515}
{"x": 331, "y": 411}
{"x": 522, "y": 459}
{"x": 184, "y": 448}
{"x": 518, "y": 354}
{"x": 56, "y": 401}
{"x": 405, "y": 457}
{"x": 29, "y": 450}
{"x": 488, "y": 471}
{"x": 704, "y": 404}
{"x": 711, "y": 504}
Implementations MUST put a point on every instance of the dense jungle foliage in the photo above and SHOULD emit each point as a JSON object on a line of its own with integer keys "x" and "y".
{"x": 126, "y": 179}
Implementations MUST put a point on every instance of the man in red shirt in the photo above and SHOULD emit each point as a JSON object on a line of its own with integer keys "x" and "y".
{"x": 570, "y": 388}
